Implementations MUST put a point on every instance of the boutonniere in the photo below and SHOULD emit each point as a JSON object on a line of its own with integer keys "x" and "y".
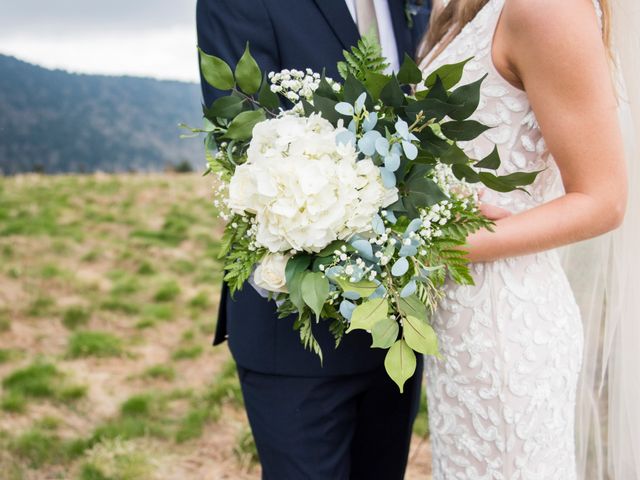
{"x": 411, "y": 9}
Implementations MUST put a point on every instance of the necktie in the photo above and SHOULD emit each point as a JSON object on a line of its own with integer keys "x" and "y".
{"x": 366, "y": 18}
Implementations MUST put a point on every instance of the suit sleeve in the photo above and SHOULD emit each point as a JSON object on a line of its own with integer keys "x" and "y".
{"x": 225, "y": 26}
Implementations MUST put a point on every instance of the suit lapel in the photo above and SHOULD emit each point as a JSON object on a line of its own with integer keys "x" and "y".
{"x": 339, "y": 19}
{"x": 401, "y": 29}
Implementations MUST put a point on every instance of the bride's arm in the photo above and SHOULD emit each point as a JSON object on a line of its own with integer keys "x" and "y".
{"x": 553, "y": 50}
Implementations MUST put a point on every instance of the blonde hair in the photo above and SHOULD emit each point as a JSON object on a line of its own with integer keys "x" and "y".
{"x": 448, "y": 20}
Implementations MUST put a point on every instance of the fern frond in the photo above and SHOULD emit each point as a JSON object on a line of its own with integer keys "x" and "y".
{"x": 365, "y": 57}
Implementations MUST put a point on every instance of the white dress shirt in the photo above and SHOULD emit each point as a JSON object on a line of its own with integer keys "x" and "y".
{"x": 385, "y": 29}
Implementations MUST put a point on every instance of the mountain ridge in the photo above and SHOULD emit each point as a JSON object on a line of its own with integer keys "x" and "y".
{"x": 55, "y": 121}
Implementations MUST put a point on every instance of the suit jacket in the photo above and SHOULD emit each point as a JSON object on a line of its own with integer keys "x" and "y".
{"x": 290, "y": 34}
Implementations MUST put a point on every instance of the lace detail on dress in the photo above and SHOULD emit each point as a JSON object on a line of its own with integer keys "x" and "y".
{"x": 502, "y": 398}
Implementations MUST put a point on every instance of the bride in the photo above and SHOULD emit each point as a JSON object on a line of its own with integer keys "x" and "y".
{"x": 502, "y": 398}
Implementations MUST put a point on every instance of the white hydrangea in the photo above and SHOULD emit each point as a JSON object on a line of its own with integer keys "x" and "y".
{"x": 304, "y": 189}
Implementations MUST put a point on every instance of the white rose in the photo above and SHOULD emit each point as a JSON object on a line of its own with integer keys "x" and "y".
{"x": 269, "y": 274}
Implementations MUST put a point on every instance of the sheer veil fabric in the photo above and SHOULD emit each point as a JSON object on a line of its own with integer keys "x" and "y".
{"x": 603, "y": 273}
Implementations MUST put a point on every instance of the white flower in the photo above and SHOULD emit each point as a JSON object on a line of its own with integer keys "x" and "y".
{"x": 270, "y": 272}
{"x": 304, "y": 189}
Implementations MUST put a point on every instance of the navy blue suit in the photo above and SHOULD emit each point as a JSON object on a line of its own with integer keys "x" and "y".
{"x": 309, "y": 420}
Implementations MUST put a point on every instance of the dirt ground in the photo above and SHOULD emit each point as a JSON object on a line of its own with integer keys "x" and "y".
{"x": 112, "y": 282}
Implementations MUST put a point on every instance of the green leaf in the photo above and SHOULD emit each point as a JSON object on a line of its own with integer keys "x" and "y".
{"x": 438, "y": 91}
{"x": 449, "y": 74}
{"x": 432, "y": 109}
{"x": 242, "y": 126}
{"x": 385, "y": 333}
{"x": 364, "y": 288}
{"x": 225, "y": 107}
{"x": 465, "y": 173}
{"x": 463, "y": 130}
{"x": 294, "y": 272}
{"x": 507, "y": 183}
{"x": 409, "y": 72}
{"x": 368, "y": 313}
{"x": 248, "y": 73}
{"x": 375, "y": 82}
{"x": 327, "y": 108}
{"x": 420, "y": 191}
{"x": 392, "y": 94}
{"x": 455, "y": 155}
{"x": 400, "y": 363}
{"x": 266, "y": 97}
{"x": 216, "y": 71}
{"x": 352, "y": 89}
{"x": 491, "y": 161}
{"x": 325, "y": 89}
{"x": 466, "y": 98}
{"x": 420, "y": 336}
{"x": 412, "y": 306}
{"x": 315, "y": 291}
{"x": 333, "y": 246}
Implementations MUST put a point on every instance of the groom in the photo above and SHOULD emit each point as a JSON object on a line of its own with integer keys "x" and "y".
{"x": 345, "y": 419}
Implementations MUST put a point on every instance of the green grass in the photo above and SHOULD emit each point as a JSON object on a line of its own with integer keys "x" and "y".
{"x": 41, "y": 305}
{"x": 94, "y": 344}
{"x": 245, "y": 449}
{"x": 157, "y": 311}
{"x": 200, "y": 301}
{"x": 37, "y": 448}
{"x": 74, "y": 317}
{"x": 117, "y": 305}
{"x": 160, "y": 372}
{"x": 41, "y": 381}
{"x": 187, "y": 353}
{"x": 167, "y": 292}
{"x": 9, "y": 354}
{"x": 421, "y": 425}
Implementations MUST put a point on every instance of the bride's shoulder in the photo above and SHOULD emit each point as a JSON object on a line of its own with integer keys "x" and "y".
{"x": 550, "y": 13}
{"x": 549, "y": 23}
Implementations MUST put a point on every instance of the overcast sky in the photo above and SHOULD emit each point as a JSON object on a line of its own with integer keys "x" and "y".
{"x": 153, "y": 38}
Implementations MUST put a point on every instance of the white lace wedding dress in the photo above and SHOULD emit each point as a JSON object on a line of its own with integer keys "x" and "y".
{"x": 502, "y": 398}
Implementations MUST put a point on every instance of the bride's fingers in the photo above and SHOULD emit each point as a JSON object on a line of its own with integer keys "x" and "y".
{"x": 492, "y": 212}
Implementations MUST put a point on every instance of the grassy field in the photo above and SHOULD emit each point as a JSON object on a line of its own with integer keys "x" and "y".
{"x": 109, "y": 291}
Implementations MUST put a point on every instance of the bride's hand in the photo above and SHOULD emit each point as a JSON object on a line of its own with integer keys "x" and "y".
{"x": 492, "y": 212}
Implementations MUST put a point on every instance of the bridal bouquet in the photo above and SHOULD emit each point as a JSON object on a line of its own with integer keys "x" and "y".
{"x": 353, "y": 204}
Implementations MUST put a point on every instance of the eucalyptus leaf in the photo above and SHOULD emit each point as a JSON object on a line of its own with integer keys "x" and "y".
{"x": 368, "y": 313}
{"x": 400, "y": 267}
{"x": 388, "y": 177}
{"x": 216, "y": 71}
{"x": 346, "y": 309}
{"x": 400, "y": 363}
{"x": 377, "y": 224}
{"x": 408, "y": 289}
{"x": 385, "y": 333}
{"x": 364, "y": 248}
{"x": 248, "y": 73}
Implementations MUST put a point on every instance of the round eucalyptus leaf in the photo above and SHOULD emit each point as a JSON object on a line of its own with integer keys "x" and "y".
{"x": 400, "y": 267}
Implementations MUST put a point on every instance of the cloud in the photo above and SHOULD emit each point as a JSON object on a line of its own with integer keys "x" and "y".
{"x": 154, "y": 38}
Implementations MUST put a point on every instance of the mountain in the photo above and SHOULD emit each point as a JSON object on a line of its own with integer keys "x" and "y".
{"x": 54, "y": 121}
